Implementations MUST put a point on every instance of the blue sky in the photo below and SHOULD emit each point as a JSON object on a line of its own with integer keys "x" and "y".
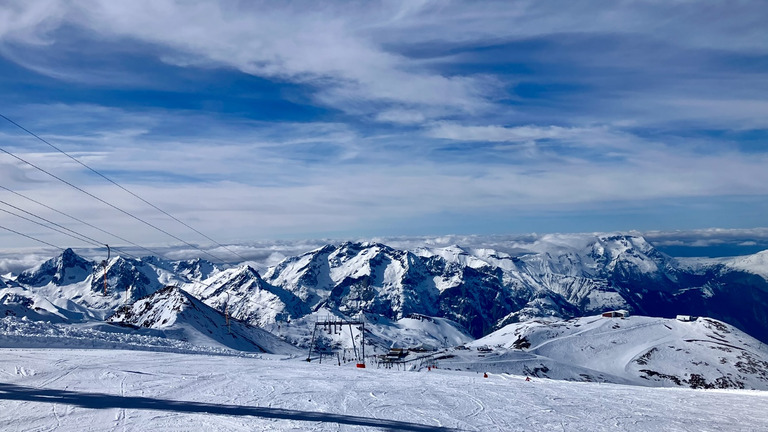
{"x": 288, "y": 120}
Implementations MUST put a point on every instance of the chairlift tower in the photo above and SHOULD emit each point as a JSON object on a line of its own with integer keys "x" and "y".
{"x": 332, "y": 323}
{"x": 104, "y": 264}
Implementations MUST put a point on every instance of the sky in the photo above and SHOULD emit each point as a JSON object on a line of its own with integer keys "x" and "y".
{"x": 252, "y": 121}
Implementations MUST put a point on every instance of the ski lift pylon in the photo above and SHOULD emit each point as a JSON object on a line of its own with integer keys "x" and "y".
{"x": 104, "y": 264}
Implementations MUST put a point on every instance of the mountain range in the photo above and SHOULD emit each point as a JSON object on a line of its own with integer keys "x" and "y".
{"x": 480, "y": 290}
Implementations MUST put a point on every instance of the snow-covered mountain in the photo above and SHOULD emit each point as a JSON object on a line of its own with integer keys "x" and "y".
{"x": 557, "y": 276}
{"x": 755, "y": 264}
{"x": 182, "y": 316}
{"x": 248, "y": 297}
{"x": 704, "y": 353}
{"x": 78, "y": 285}
{"x": 66, "y": 269}
{"x": 359, "y": 276}
{"x": 560, "y": 276}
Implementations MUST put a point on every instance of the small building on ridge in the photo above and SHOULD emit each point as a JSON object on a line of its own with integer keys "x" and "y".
{"x": 616, "y": 314}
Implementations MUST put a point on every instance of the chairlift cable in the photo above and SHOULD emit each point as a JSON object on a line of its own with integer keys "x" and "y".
{"x": 107, "y": 203}
{"x": 30, "y": 237}
{"x": 121, "y": 187}
{"x": 82, "y": 222}
{"x": 75, "y": 236}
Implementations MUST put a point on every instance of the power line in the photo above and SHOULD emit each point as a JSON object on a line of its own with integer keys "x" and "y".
{"x": 108, "y": 204}
{"x": 62, "y": 249}
{"x": 120, "y": 186}
{"x": 85, "y": 238}
{"x": 76, "y": 235}
{"x": 30, "y": 237}
{"x": 81, "y": 221}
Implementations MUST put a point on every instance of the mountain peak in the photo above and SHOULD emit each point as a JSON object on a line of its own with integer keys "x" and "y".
{"x": 69, "y": 255}
{"x": 67, "y": 268}
{"x": 183, "y": 316}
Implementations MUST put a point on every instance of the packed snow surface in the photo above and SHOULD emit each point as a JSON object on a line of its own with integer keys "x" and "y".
{"x": 75, "y": 390}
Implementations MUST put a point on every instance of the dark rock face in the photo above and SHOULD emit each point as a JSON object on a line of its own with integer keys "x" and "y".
{"x": 127, "y": 275}
{"x": 65, "y": 269}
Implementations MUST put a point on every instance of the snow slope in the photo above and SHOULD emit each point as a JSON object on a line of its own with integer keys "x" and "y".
{"x": 381, "y": 334}
{"x": 640, "y": 350}
{"x": 20, "y": 302}
{"x": 756, "y": 264}
{"x": 24, "y": 333}
{"x": 106, "y": 390}
{"x": 183, "y": 317}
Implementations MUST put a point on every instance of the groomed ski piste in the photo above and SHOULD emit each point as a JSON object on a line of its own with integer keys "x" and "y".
{"x": 76, "y": 378}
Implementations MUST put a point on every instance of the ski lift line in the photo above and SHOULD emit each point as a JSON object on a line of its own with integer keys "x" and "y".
{"x": 109, "y": 204}
{"x": 83, "y": 222}
{"x": 120, "y": 186}
{"x": 75, "y": 236}
{"x": 122, "y": 252}
{"x": 32, "y": 238}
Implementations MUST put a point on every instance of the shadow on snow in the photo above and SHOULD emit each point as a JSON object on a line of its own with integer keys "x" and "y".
{"x": 104, "y": 401}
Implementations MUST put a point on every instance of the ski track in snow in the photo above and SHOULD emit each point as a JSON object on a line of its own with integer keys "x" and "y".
{"x": 113, "y": 390}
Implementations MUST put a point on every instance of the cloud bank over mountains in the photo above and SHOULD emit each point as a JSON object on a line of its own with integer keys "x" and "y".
{"x": 265, "y": 254}
{"x": 262, "y": 120}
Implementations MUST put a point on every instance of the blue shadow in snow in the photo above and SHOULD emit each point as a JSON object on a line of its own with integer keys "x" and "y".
{"x": 106, "y": 401}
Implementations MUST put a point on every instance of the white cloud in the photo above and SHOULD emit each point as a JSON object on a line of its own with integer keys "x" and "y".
{"x": 709, "y": 237}
{"x": 496, "y": 133}
{"x": 324, "y": 46}
{"x": 245, "y": 179}
{"x": 582, "y": 136}
{"x": 349, "y": 52}
{"x": 256, "y": 182}
{"x": 401, "y": 116}
{"x": 17, "y": 260}
{"x": 718, "y": 25}
{"x": 30, "y": 22}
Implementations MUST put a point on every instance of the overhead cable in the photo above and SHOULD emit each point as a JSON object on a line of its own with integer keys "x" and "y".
{"x": 62, "y": 231}
{"x": 30, "y": 237}
{"x": 108, "y": 204}
{"x": 151, "y": 252}
{"x": 120, "y": 186}
{"x": 74, "y": 234}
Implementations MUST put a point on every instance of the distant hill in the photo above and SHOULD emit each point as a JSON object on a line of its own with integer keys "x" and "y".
{"x": 705, "y": 353}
